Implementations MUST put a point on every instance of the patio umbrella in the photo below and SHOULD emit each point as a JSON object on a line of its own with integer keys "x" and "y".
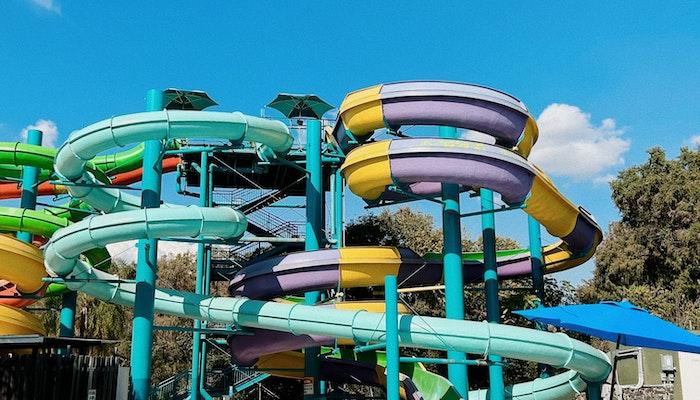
{"x": 300, "y": 105}
{"x": 177, "y": 99}
{"x": 620, "y": 322}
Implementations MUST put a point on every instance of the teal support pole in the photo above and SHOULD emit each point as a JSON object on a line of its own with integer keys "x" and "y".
{"x": 493, "y": 309}
{"x": 452, "y": 266}
{"x": 69, "y": 302}
{"x": 30, "y": 179}
{"x": 146, "y": 267}
{"x": 536, "y": 262}
{"x": 338, "y": 193}
{"x": 593, "y": 391}
{"x": 314, "y": 233}
{"x": 391, "y": 300}
{"x": 199, "y": 287}
{"x": 536, "y": 258}
{"x": 207, "y": 287}
{"x": 207, "y": 290}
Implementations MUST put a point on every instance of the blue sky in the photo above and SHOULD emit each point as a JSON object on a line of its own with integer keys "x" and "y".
{"x": 607, "y": 81}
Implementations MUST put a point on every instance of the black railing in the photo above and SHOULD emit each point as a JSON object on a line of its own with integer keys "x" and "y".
{"x": 60, "y": 377}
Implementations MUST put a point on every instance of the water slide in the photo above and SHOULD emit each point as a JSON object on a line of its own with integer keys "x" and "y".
{"x": 415, "y": 165}
{"x": 21, "y": 275}
{"x": 124, "y": 168}
{"x": 345, "y": 366}
{"x": 368, "y": 170}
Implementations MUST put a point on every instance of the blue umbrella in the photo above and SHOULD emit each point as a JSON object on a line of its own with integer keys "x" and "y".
{"x": 617, "y": 321}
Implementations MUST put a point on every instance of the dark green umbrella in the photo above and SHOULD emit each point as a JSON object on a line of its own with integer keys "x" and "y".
{"x": 176, "y": 99}
{"x": 300, "y": 105}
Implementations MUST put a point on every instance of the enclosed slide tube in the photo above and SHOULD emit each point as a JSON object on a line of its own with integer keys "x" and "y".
{"x": 22, "y": 271}
{"x": 62, "y": 259}
{"x": 120, "y": 131}
{"x": 13, "y": 191}
{"x": 15, "y": 155}
{"x": 23, "y": 268}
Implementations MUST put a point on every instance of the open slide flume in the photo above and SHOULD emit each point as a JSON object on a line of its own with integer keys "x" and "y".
{"x": 417, "y": 166}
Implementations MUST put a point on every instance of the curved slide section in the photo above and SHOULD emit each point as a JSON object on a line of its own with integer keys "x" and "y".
{"x": 14, "y": 155}
{"x": 474, "y": 107}
{"x": 367, "y": 368}
{"x": 13, "y": 191}
{"x": 359, "y": 326}
{"x": 62, "y": 259}
{"x": 361, "y": 266}
{"x": 418, "y": 165}
{"x": 22, "y": 272}
{"x": 120, "y": 131}
{"x": 23, "y": 268}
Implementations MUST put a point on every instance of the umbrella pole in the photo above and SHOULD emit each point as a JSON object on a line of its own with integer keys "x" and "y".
{"x": 614, "y": 368}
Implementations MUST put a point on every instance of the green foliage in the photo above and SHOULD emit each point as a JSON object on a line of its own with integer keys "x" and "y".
{"x": 651, "y": 255}
{"x": 408, "y": 228}
{"x": 403, "y": 228}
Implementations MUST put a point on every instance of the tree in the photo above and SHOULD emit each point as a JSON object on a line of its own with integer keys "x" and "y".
{"x": 650, "y": 256}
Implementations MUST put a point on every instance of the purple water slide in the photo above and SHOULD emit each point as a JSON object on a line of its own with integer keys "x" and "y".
{"x": 293, "y": 273}
{"x": 319, "y": 270}
{"x": 422, "y": 164}
{"x": 450, "y": 104}
{"x": 246, "y": 349}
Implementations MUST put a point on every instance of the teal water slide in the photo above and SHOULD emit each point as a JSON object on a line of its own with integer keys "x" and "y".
{"x": 124, "y": 220}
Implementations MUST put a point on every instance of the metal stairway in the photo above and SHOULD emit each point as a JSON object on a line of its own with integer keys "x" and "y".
{"x": 220, "y": 382}
{"x": 226, "y": 260}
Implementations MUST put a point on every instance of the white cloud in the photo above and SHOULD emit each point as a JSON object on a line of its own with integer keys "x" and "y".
{"x": 48, "y": 5}
{"x": 604, "y": 180}
{"x": 571, "y": 145}
{"x": 46, "y": 126}
{"x": 695, "y": 140}
{"x": 127, "y": 252}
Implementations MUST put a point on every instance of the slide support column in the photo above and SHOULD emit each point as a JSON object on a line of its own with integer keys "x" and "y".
{"x": 69, "y": 302}
{"x": 146, "y": 267}
{"x": 201, "y": 261}
{"x": 594, "y": 391}
{"x": 207, "y": 290}
{"x": 30, "y": 180}
{"x": 536, "y": 258}
{"x": 314, "y": 234}
{"x": 493, "y": 309}
{"x": 338, "y": 191}
{"x": 452, "y": 266}
{"x": 391, "y": 300}
{"x": 537, "y": 261}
